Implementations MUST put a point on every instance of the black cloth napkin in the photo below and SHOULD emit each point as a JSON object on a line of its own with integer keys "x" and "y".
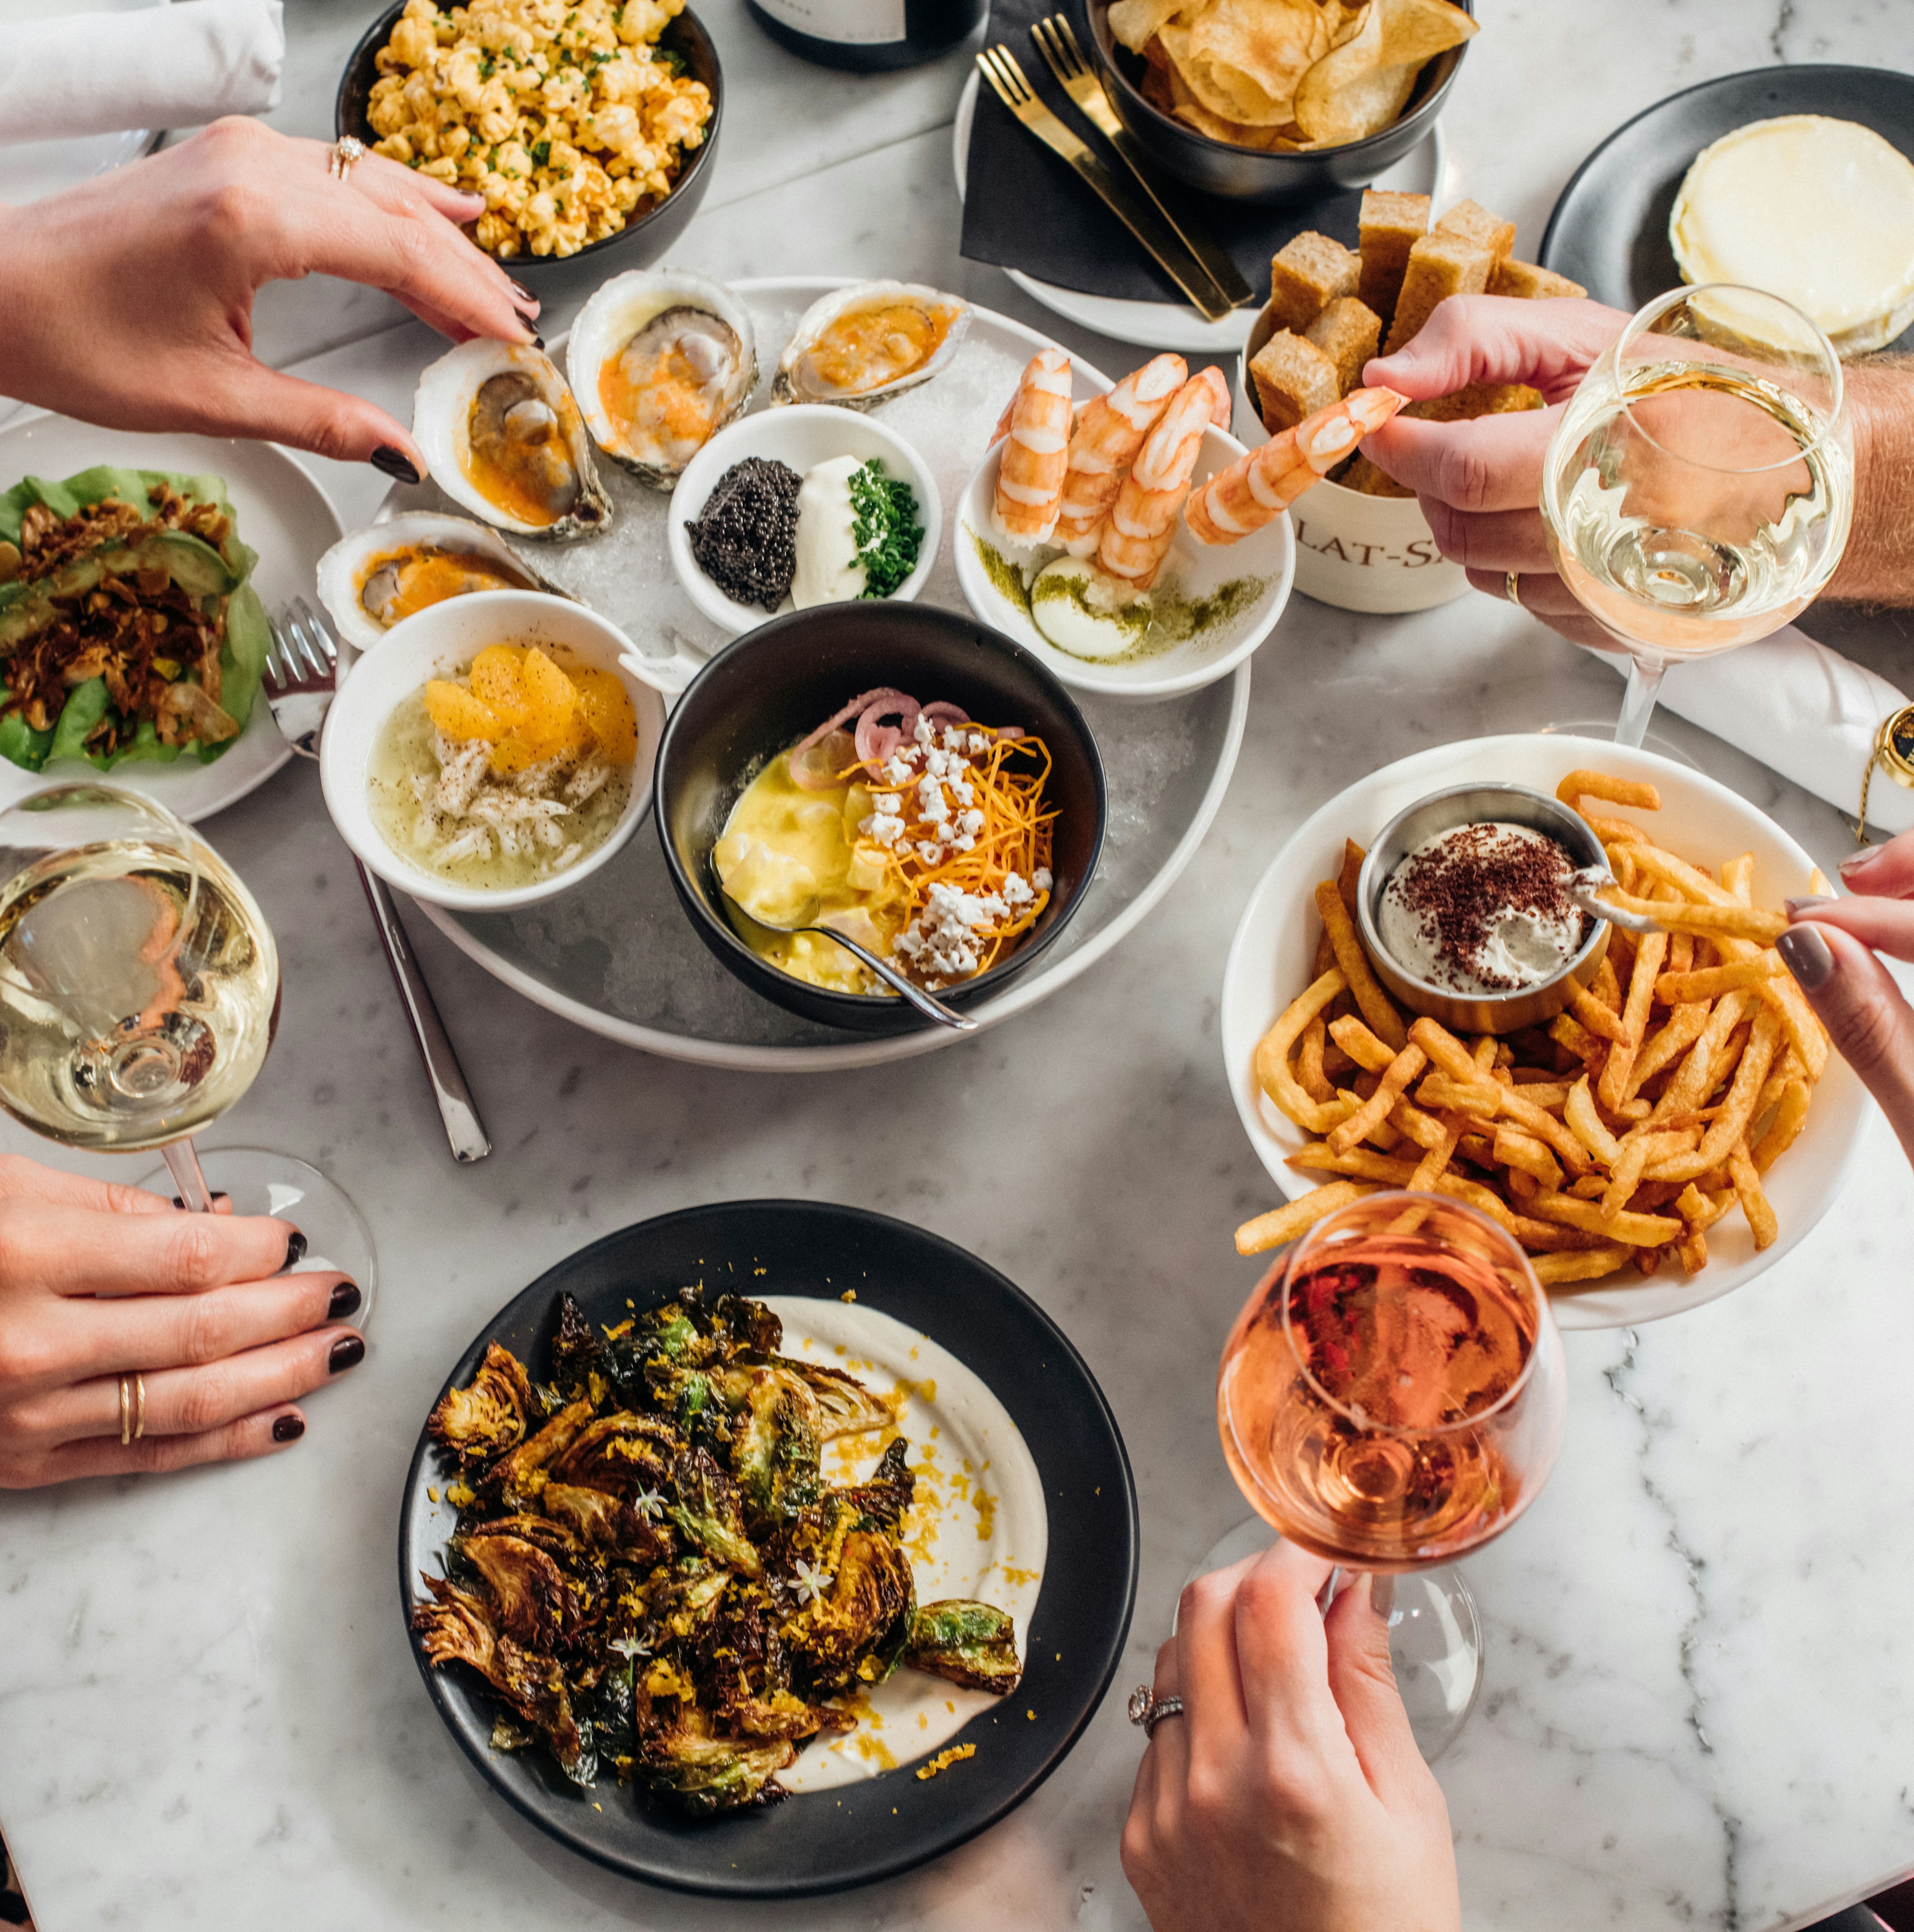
{"x": 1025, "y": 208}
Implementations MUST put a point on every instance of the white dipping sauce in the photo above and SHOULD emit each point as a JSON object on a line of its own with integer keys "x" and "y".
{"x": 829, "y": 570}
{"x": 978, "y": 1528}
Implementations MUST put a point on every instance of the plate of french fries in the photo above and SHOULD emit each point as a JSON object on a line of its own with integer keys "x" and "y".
{"x": 1669, "y": 1136}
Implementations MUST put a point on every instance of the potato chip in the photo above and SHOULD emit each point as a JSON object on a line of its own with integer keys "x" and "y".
{"x": 1242, "y": 59}
{"x": 1416, "y": 30}
{"x": 1352, "y": 92}
{"x": 1135, "y": 23}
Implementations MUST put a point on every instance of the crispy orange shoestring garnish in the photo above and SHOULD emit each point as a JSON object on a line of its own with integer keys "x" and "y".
{"x": 1015, "y": 837}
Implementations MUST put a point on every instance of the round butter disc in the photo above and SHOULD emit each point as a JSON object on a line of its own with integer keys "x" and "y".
{"x": 1818, "y": 211}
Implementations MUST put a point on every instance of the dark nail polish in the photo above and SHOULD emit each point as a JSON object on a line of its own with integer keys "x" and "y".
{"x": 524, "y": 294}
{"x": 347, "y": 1353}
{"x": 345, "y": 1297}
{"x": 538, "y": 341}
{"x": 1858, "y": 862}
{"x": 1806, "y": 955}
{"x": 394, "y": 464}
{"x": 1808, "y": 899}
{"x": 296, "y": 1250}
{"x": 288, "y": 1428}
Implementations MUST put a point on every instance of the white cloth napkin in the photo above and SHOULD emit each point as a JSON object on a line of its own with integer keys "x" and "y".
{"x": 1808, "y": 712}
{"x": 163, "y": 67}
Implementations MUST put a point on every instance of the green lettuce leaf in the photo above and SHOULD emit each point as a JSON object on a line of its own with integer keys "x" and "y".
{"x": 86, "y": 704}
{"x": 21, "y": 744}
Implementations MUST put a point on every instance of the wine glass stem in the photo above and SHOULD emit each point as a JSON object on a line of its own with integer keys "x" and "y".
{"x": 183, "y": 1164}
{"x": 1645, "y": 677}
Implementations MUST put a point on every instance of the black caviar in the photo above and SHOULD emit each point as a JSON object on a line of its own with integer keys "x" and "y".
{"x": 746, "y": 540}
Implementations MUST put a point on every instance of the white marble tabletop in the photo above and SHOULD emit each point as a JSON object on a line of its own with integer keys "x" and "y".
{"x": 1699, "y": 1704}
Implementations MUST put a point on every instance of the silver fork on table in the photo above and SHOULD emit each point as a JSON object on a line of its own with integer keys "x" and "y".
{"x": 301, "y": 673}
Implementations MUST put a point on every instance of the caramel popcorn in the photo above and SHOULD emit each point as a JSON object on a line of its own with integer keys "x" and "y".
{"x": 563, "y": 114}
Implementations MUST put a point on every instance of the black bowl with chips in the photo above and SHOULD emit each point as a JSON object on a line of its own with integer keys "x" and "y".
{"x": 646, "y": 236}
{"x": 1250, "y": 174}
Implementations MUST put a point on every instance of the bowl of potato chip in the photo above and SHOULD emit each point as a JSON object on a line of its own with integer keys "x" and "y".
{"x": 587, "y": 130}
{"x": 1274, "y": 101}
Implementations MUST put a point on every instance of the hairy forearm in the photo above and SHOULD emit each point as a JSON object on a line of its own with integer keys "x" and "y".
{"x": 1878, "y": 567}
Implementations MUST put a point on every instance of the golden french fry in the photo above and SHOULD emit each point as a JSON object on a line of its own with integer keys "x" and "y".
{"x": 1599, "y": 1019}
{"x": 1580, "y": 1116}
{"x": 1434, "y": 1161}
{"x": 1692, "y": 1250}
{"x": 1375, "y": 1110}
{"x": 1702, "y": 1210}
{"x": 1586, "y": 1264}
{"x": 1730, "y": 1128}
{"x": 1544, "y": 1125}
{"x": 1681, "y": 952}
{"x": 1360, "y": 1044}
{"x": 1690, "y": 881}
{"x": 1325, "y": 956}
{"x": 1738, "y": 878}
{"x": 1446, "y": 1051}
{"x": 1282, "y": 1224}
{"x": 1353, "y": 855}
{"x": 1666, "y": 1046}
{"x": 1612, "y": 1089}
{"x": 1272, "y": 1065}
{"x": 1309, "y": 1063}
{"x": 1638, "y": 1231}
{"x": 1527, "y": 1155}
{"x": 1754, "y": 1203}
{"x": 1480, "y": 1100}
{"x": 1414, "y": 1124}
{"x": 1737, "y": 921}
{"x": 1637, "y": 793}
{"x": 1790, "y": 1117}
{"x": 1676, "y": 989}
{"x": 1806, "y": 1034}
{"x": 1567, "y": 1030}
{"x": 1691, "y": 1085}
{"x": 1384, "y": 1022}
{"x": 1817, "y": 880}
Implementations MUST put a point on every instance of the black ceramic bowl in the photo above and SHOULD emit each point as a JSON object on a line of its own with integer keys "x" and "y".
{"x": 777, "y": 684}
{"x": 1248, "y": 174}
{"x": 640, "y": 242}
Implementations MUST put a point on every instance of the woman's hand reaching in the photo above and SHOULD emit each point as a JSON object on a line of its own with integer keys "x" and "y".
{"x": 1830, "y": 950}
{"x": 1289, "y": 1796}
{"x": 99, "y": 1281}
{"x": 128, "y": 302}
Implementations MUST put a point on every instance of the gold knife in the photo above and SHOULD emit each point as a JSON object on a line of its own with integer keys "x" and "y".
{"x": 1171, "y": 254}
{"x": 1057, "y": 42}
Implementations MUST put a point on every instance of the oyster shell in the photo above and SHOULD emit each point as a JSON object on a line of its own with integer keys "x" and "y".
{"x": 858, "y": 345}
{"x": 504, "y": 439}
{"x": 370, "y": 579}
{"x": 659, "y": 364}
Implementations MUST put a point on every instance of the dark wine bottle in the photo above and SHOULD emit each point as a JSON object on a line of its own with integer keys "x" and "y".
{"x": 867, "y": 36}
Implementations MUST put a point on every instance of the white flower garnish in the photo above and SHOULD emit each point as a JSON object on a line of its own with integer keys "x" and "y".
{"x": 649, "y": 1503}
{"x": 813, "y": 1585}
{"x": 628, "y": 1647}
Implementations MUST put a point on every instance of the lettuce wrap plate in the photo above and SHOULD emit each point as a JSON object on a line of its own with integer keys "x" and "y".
{"x": 280, "y": 513}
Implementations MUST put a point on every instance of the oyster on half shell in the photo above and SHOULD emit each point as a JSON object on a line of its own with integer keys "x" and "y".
{"x": 659, "y": 363}
{"x": 370, "y": 579}
{"x": 859, "y": 345}
{"x": 503, "y": 439}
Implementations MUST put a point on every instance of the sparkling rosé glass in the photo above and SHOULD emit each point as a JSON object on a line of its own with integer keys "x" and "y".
{"x": 1392, "y": 1397}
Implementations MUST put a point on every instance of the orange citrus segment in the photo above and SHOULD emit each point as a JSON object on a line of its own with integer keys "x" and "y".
{"x": 497, "y": 680}
{"x": 458, "y": 714}
{"x": 607, "y": 708}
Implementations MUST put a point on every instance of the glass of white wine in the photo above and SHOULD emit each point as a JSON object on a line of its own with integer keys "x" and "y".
{"x": 1391, "y": 1397}
{"x": 1699, "y": 485}
{"x": 139, "y": 996}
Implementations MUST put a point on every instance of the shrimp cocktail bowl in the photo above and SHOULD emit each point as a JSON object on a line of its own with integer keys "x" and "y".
{"x": 896, "y": 771}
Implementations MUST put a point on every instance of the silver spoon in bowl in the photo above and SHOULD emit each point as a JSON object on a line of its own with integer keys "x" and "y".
{"x": 926, "y": 1003}
{"x": 1585, "y": 882}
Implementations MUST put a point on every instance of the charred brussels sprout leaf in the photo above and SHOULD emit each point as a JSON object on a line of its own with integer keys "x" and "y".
{"x": 881, "y": 1499}
{"x": 577, "y": 1354}
{"x": 484, "y": 1420}
{"x": 974, "y": 1645}
{"x": 707, "y": 1512}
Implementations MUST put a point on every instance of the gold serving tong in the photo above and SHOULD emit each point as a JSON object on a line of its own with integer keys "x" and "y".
{"x": 1057, "y": 42}
{"x": 1171, "y": 253}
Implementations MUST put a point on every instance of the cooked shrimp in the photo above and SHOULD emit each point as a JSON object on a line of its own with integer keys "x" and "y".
{"x": 1030, "y": 476}
{"x": 1263, "y": 485}
{"x": 1104, "y": 444}
{"x": 1142, "y": 522}
{"x": 1220, "y": 398}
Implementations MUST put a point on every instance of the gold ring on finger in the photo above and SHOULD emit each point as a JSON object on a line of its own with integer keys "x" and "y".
{"x": 126, "y": 1411}
{"x": 139, "y": 1407}
{"x": 343, "y": 153}
{"x": 1512, "y": 589}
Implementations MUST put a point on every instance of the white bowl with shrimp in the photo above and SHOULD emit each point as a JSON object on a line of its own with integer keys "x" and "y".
{"x": 801, "y": 435}
{"x": 1192, "y": 572}
{"x": 441, "y": 641}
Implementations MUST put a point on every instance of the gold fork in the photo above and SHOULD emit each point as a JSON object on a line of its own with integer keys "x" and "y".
{"x": 999, "y": 67}
{"x": 1057, "y": 42}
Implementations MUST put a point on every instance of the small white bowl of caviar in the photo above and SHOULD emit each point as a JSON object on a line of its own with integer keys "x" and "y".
{"x": 795, "y": 507}
{"x": 495, "y": 750}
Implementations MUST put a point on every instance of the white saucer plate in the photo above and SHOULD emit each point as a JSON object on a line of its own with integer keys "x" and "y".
{"x": 1700, "y": 820}
{"x": 282, "y": 513}
{"x": 1163, "y": 325}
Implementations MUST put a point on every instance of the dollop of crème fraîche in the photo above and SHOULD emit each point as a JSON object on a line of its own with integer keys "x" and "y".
{"x": 1483, "y": 908}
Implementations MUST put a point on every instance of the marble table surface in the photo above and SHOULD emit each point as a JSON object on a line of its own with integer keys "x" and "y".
{"x": 1698, "y": 1702}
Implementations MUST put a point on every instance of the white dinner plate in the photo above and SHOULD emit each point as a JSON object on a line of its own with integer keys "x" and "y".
{"x": 1163, "y": 325}
{"x": 1700, "y": 820}
{"x": 282, "y": 514}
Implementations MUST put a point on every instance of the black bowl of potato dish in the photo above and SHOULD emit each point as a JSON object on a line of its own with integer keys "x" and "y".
{"x": 682, "y": 44}
{"x": 729, "y": 795}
